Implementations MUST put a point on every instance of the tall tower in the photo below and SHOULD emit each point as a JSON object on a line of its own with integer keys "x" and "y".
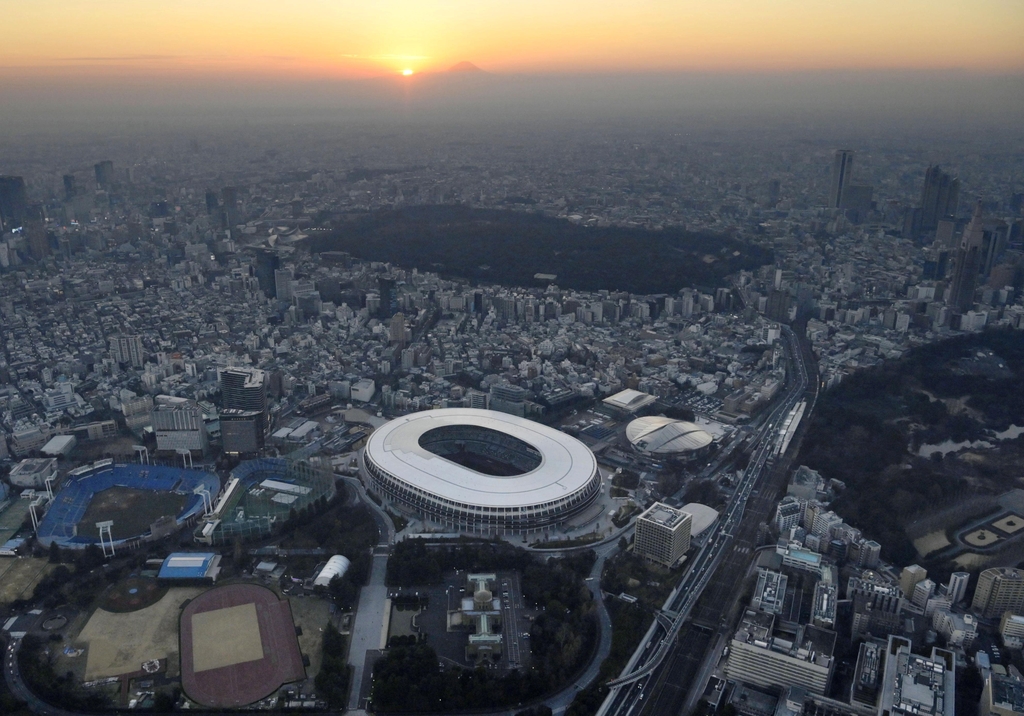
{"x": 245, "y": 389}
{"x": 939, "y": 197}
{"x": 842, "y": 173}
{"x": 104, "y": 174}
{"x": 13, "y": 202}
{"x": 965, "y": 274}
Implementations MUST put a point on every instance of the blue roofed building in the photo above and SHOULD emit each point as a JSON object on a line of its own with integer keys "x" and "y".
{"x": 191, "y": 567}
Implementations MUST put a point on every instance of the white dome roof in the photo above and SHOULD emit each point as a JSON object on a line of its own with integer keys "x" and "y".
{"x": 336, "y": 567}
{"x": 665, "y": 436}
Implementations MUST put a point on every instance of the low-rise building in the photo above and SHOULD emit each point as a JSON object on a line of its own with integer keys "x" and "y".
{"x": 915, "y": 685}
{"x": 33, "y": 473}
{"x": 759, "y": 658}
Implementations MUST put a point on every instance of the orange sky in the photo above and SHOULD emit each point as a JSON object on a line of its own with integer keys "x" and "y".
{"x": 342, "y": 38}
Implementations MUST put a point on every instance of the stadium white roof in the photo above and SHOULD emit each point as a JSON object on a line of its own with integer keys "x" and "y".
{"x": 566, "y": 466}
{"x": 336, "y": 567}
{"x": 629, "y": 400}
{"x": 661, "y": 435}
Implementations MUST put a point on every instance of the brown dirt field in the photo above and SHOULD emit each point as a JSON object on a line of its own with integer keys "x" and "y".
{"x": 119, "y": 643}
{"x": 132, "y": 510}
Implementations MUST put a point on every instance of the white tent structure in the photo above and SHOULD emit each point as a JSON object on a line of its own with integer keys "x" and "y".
{"x": 336, "y": 567}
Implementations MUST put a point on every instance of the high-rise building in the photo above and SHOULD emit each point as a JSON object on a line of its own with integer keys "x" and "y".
{"x": 909, "y": 578}
{"x": 69, "y": 187}
{"x": 916, "y": 685}
{"x": 128, "y": 349}
{"x": 104, "y": 174}
{"x": 876, "y": 606}
{"x": 35, "y": 235}
{"x": 240, "y": 431}
{"x": 788, "y": 514}
{"x": 968, "y": 259}
{"x": 662, "y": 533}
{"x": 245, "y": 389}
{"x": 397, "y": 329}
{"x": 957, "y": 587}
{"x": 842, "y": 173}
{"x": 283, "y": 284}
{"x": 999, "y": 589}
{"x": 265, "y": 266}
{"x": 939, "y": 198}
{"x": 388, "y": 296}
{"x": 13, "y": 202}
{"x": 179, "y": 425}
{"x": 211, "y": 202}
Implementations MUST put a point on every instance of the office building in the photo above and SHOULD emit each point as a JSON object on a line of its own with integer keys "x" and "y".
{"x": 507, "y": 398}
{"x": 245, "y": 389}
{"x": 179, "y": 425}
{"x": 770, "y": 592}
{"x": 104, "y": 174}
{"x": 939, "y": 198}
{"x": 876, "y": 606}
{"x": 916, "y": 685}
{"x": 1011, "y": 630}
{"x": 127, "y": 349}
{"x": 923, "y": 591}
{"x": 968, "y": 260}
{"x": 909, "y": 578}
{"x": 1003, "y": 695}
{"x": 999, "y": 589}
{"x": 959, "y": 630}
{"x": 842, "y": 173}
{"x": 388, "y": 297}
{"x": 867, "y": 674}
{"x": 283, "y": 284}
{"x": 759, "y": 658}
{"x": 788, "y": 514}
{"x": 69, "y": 187}
{"x": 33, "y": 473}
{"x": 13, "y": 202}
{"x": 662, "y": 534}
{"x": 957, "y": 587}
{"x": 265, "y": 266}
{"x": 240, "y": 431}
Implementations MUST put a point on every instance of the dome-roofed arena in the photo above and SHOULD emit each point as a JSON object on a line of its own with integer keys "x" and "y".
{"x": 658, "y": 435}
{"x": 480, "y": 470}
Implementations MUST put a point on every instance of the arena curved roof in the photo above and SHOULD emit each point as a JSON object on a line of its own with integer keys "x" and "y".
{"x": 662, "y": 436}
{"x": 703, "y": 517}
{"x": 566, "y": 464}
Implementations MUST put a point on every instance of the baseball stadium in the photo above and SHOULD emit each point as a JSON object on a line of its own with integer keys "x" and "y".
{"x": 258, "y": 494}
{"x": 480, "y": 470}
{"x": 143, "y": 502}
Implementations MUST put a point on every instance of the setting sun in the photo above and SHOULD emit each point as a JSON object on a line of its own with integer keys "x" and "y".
{"x": 407, "y": 72}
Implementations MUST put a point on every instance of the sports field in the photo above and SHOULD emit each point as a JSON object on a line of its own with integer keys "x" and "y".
{"x": 132, "y": 510}
{"x": 238, "y": 646}
{"x": 119, "y": 643}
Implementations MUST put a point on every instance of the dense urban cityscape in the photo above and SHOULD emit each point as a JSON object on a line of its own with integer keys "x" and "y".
{"x": 360, "y": 380}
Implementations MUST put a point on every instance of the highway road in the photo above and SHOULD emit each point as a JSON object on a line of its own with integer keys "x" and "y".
{"x": 715, "y": 571}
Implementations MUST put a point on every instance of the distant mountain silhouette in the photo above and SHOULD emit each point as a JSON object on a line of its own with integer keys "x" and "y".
{"x": 464, "y": 66}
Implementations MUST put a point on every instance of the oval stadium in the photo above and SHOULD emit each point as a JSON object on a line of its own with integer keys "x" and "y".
{"x": 661, "y": 436}
{"x": 480, "y": 470}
